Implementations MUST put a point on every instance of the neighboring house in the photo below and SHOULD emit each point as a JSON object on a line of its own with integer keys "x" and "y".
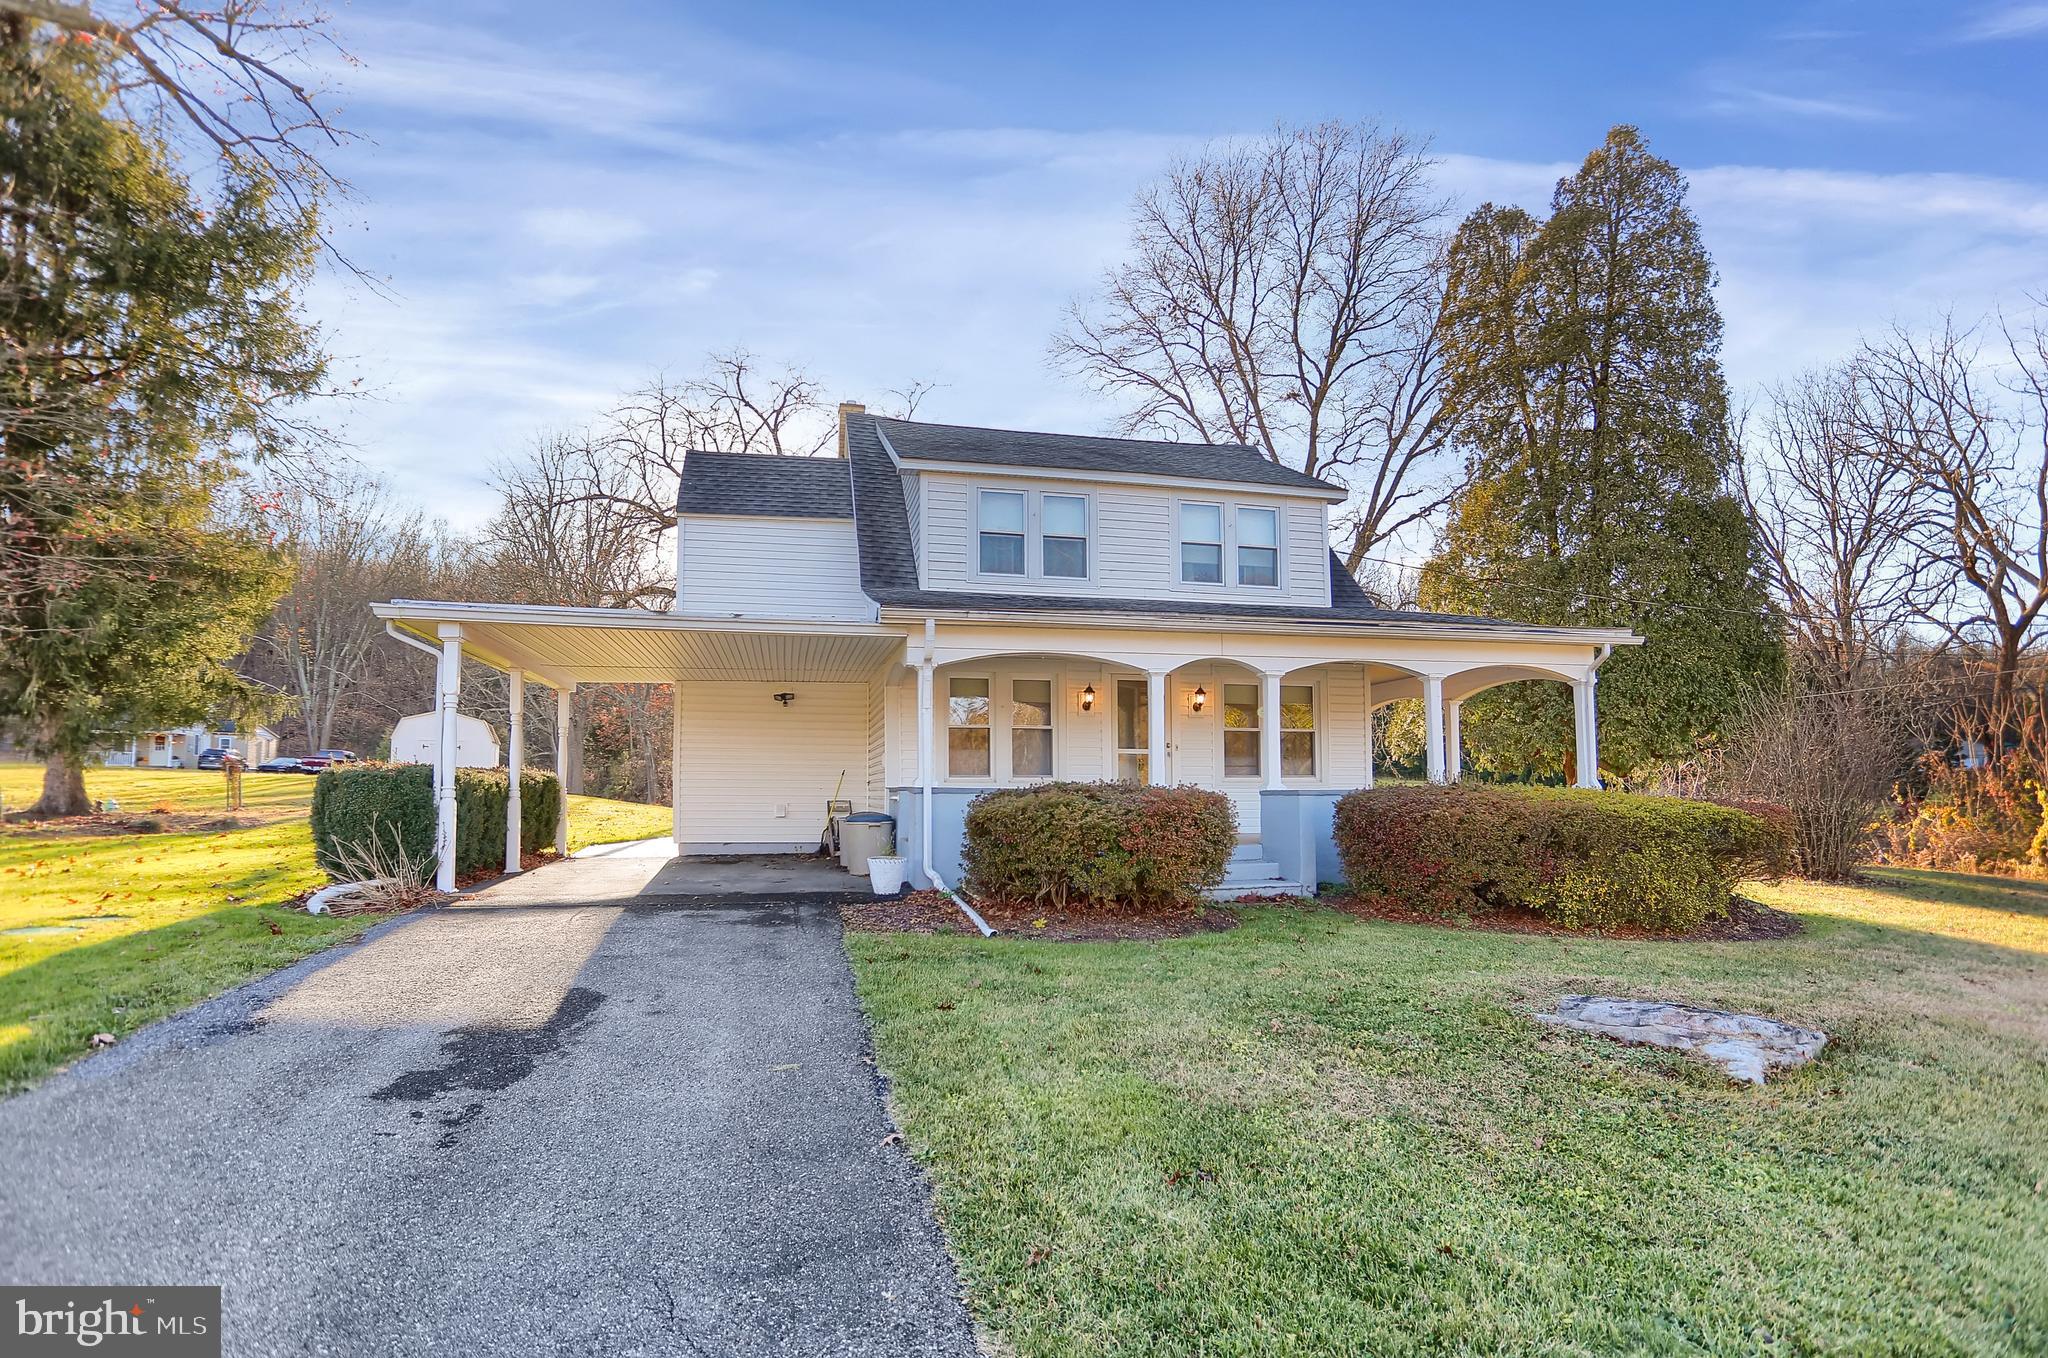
{"x": 181, "y": 747}
{"x": 939, "y": 610}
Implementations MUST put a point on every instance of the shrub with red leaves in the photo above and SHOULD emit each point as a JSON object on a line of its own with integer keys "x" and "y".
{"x": 1584, "y": 859}
{"x": 1104, "y": 846}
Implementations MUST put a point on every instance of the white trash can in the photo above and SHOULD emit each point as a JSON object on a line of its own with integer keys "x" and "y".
{"x": 885, "y": 875}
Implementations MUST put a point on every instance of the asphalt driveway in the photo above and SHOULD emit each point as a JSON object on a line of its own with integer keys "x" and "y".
{"x": 512, "y": 1126}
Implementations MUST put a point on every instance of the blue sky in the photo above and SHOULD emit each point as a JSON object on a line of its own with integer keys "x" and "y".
{"x": 567, "y": 200}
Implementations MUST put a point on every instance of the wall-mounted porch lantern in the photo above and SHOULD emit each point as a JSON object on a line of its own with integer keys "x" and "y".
{"x": 1201, "y": 698}
{"x": 1088, "y": 698}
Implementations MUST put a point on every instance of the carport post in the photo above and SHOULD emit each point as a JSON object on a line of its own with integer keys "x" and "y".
{"x": 444, "y": 767}
{"x": 565, "y": 702}
{"x": 515, "y": 764}
{"x": 675, "y": 763}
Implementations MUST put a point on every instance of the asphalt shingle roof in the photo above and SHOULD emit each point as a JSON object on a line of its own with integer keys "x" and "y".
{"x": 915, "y": 441}
{"x": 888, "y": 560}
{"x": 754, "y": 483}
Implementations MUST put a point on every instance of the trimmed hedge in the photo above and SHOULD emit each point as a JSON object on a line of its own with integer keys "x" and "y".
{"x": 1584, "y": 859}
{"x": 396, "y": 802}
{"x": 1103, "y": 846}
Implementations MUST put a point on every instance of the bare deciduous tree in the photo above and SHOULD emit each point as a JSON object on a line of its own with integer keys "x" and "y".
{"x": 1284, "y": 295}
{"x": 1975, "y": 443}
{"x": 348, "y": 550}
{"x": 233, "y": 72}
{"x": 1837, "y": 526}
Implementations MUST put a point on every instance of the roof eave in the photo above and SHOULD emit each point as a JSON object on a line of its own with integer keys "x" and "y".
{"x": 1320, "y": 490}
{"x": 1475, "y": 631}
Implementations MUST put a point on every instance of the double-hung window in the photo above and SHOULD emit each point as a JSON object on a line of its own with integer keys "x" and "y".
{"x": 1240, "y": 730}
{"x": 1258, "y": 546}
{"x": 999, "y": 729}
{"x": 1201, "y": 544}
{"x": 1063, "y": 536}
{"x": 1002, "y": 532}
{"x": 967, "y": 728}
{"x": 1298, "y": 730}
{"x": 1031, "y": 728}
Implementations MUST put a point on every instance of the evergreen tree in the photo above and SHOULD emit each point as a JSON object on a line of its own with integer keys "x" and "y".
{"x": 1582, "y": 357}
{"x": 150, "y": 338}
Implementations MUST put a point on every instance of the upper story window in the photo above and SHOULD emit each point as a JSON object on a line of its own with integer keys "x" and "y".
{"x": 1063, "y": 535}
{"x": 1201, "y": 544}
{"x": 1007, "y": 522}
{"x": 1002, "y": 518}
{"x": 1258, "y": 546}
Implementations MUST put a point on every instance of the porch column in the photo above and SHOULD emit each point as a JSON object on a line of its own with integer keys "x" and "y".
{"x": 450, "y": 690}
{"x": 1586, "y": 728}
{"x": 925, "y": 717}
{"x": 675, "y": 764}
{"x": 1433, "y": 726}
{"x": 1155, "y": 723}
{"x": 565, "y": 706}
{"x": 515, "y": 765}
{"x": 1366, "y": 679}
{"x": 1269, "y": 727}
{"x": 1454, "y": 741}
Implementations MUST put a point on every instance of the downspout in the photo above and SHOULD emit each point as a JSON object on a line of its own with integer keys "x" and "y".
{"x": 391, "y": 630}
{"x": 925, "y": 717}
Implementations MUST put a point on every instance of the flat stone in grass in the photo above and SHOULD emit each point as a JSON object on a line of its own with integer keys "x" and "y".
{"x": 1747, "y": 1046}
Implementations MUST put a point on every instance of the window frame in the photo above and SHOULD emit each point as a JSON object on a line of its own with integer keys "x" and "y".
{"x": 1034, "y": 535}
{"x": 1238, "y": 547}
{"x": 1001, "y": 753}
{"x": 1318, "y": 717}
{"x": 1051, "y": 727}
{"x": 946, "y": 727}
{"x": 1225, "y": 728}
{"x": 1181, "y": 542}
{"x": 1023, "y": 535}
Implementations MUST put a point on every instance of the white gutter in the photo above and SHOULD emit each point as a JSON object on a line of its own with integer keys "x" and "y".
{"x": 1174, "y": 622}
{"x": 391, "y": 630}
{"x": 926, "y": 759}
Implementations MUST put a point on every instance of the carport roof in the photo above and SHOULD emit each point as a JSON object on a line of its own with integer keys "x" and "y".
{"x": 562, "y": 645}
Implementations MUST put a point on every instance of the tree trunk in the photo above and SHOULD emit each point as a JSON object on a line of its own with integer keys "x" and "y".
{"x": 63, "y": 789}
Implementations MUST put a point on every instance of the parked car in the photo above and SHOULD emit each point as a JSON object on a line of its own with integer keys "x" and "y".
{"x": 313, "y": 763}
{"x": 285, "y": 764}
{"x": 214, "y": 758}
{"x": 337, "y": 756}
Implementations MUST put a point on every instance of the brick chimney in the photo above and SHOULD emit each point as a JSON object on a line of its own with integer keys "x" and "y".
{"x": 847, "y": 408}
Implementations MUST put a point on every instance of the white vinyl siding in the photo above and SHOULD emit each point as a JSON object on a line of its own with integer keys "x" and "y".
{"x": 745, "y": 755}
{"x": 913, "y": 505}
{"x": 770, "y": 568}
{"x": 1133, "y": 544}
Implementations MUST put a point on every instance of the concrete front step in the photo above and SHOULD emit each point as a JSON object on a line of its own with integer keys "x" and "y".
{"x": 1250, "y": 873}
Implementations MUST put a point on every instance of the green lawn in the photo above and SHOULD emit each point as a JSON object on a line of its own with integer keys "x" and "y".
{"x": 1318, "y": 1135}
{"x": 129, "y": 928}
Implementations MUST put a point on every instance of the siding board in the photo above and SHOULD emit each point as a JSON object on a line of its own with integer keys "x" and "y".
{"x": 770, "y": 568}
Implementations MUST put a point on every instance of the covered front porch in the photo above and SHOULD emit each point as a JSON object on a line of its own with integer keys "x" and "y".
{"x": 775, "y": 722}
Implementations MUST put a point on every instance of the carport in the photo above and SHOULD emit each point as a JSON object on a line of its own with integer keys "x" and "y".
{"x": 727, "y": 661}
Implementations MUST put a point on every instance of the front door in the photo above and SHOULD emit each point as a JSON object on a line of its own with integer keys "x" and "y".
{"x": 1134, "y": 731}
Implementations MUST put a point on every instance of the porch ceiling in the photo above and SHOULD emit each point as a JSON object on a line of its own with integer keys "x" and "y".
{"x": 638, "y": 646}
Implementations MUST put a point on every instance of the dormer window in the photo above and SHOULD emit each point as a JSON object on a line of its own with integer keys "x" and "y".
{"x": 1201, "y": 544}
{"x": 1063, "y": 536}
{"x": 1002, "y": 532}
{"x": 1258, "y": 546}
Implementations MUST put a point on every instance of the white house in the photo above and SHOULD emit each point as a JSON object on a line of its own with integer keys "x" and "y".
{"x": 180, "y": 747}
{"x": 939, "y": 610}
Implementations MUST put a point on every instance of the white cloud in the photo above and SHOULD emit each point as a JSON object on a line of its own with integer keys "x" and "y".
{"x": 581, "y": 228}
{"x": 1749, "y": 101}
{"x": 2010, "y": 21}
